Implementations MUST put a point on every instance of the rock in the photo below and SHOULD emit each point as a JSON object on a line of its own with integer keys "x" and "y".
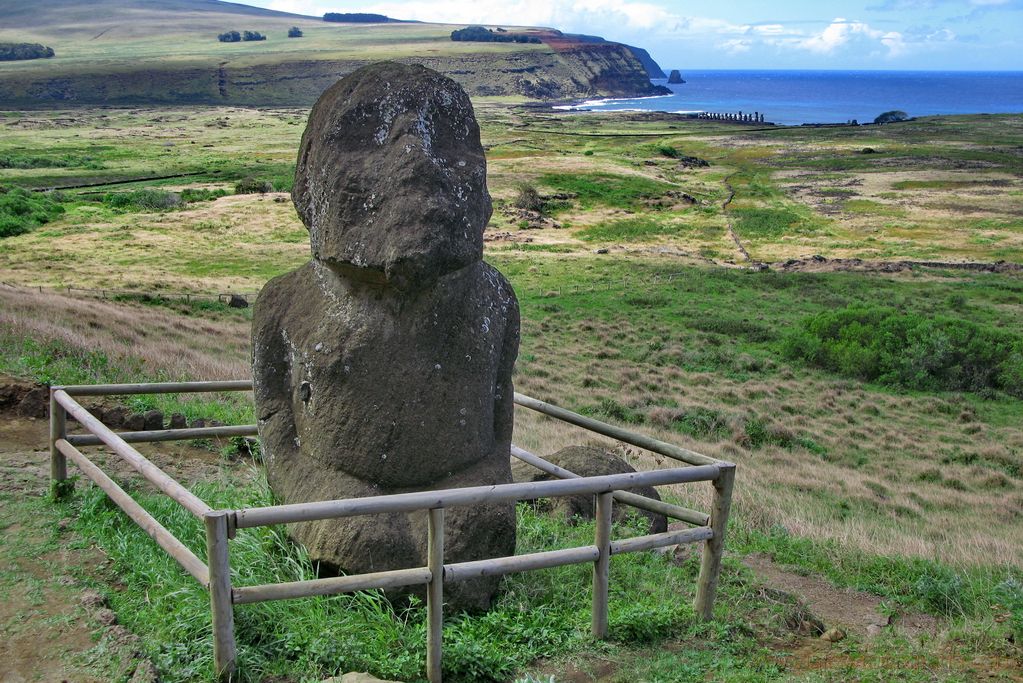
{"x": 35, "y": 403}
{"x": 153, "y": 420}
{"x": 178, "y": 421}
{"x": 675, "y": 77}
{"x": 391, "y": 181}
{"x": 105, "y": 616}
{"x": 115, "y": 417}
{"x": 384, "y": 364}
{"x": 135, "y": 422}
{"x": 587, "y": 461}
{"x": 357, "y": 678}
{"x": 602, "y": 250}
{"x": 833, "y": 635}
{"x": 145, "y": 672}
{"x": 198, "y": 423}
{"x": 237, "y": 301}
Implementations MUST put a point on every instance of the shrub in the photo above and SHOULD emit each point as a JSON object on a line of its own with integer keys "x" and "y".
{"x": 481, "y": 34}
{"x": 253, "y": 186}
{"x": 295, "y": 32}
{"x": 528, "y": 198}
{"x": 891, "y": 116}
{"x": 10, "y": 52}
{"x": 229, "y": 37}
{"x": 252, "y": 35}
{"x": 142, "y": 200}
{"x": 356, "y": 18}
{"x": 666, "y": 150}
{"x": 201, "y": 194}
{"x": 884, "y": 345}
{"x": 22, "y": 210}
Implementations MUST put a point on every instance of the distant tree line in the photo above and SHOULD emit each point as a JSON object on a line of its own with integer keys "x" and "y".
{"x": 10, "y": 52}
{"x": 356, "y": 18}
{"x": 481, "y": 34}
{"x": 235, "y": 36}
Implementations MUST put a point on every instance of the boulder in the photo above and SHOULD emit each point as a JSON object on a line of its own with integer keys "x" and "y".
{"x": 178, "y": 421}
{"x": 384, "y": 364}
{"x": 135, "y": 422}
{"x": 153, "y": 420}
{"x": 587, "y": 461}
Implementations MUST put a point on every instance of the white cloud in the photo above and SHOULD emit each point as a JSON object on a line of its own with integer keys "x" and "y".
{"x": 736, "y": 46}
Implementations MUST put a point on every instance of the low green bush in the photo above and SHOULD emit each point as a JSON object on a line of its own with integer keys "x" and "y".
{"x": 22, "y": 210}
{"x": 910, "y": 350}
{"x": 253, "y": 186}
{"x": 142, "y": 200}
{"x": 201, "y": 194}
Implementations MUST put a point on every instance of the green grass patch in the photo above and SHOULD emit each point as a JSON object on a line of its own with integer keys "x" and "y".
{"x": 142, "y": 200}
{"x": 764, "y": 223}
{"x": 627, "y": 230}
{"x": 22, "y": 210}
{"x": 538, "y": 615}
{"x": 606, "y": 189}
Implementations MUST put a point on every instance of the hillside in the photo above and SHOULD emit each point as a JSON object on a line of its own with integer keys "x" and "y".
{"x": 156, "y": 52}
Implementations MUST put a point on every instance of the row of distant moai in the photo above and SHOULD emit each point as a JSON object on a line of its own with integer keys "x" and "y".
{"x": 755, "y": 117}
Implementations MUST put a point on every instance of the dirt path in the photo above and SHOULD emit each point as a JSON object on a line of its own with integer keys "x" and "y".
{"x": 728, "y": 219}
{"x": 54, "y": 623}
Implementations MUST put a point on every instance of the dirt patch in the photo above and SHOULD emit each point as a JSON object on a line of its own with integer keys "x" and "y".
{"x": 53, "y": 626}
{"x": 853, "y": 611}
{"x": 821, "y": 264}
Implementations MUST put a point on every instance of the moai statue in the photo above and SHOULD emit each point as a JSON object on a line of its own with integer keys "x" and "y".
{"x": 384, "y": 365}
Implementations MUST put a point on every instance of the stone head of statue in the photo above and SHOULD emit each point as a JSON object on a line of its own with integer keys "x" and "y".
{"x": 391, "y": 180}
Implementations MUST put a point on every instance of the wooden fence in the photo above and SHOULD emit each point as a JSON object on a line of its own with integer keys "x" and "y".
{"x": 222, "y": 525}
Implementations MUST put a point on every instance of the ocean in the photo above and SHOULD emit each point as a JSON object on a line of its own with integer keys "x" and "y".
{"x": 795, "y": 97}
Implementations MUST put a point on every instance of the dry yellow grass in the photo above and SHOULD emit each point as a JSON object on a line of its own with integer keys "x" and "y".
{"x": 905, "y": 475}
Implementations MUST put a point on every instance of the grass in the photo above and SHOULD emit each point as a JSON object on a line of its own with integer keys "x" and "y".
{"x": 876, "y": 485}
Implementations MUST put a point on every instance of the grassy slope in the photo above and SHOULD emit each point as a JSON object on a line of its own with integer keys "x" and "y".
{"x": 872, "y": 486}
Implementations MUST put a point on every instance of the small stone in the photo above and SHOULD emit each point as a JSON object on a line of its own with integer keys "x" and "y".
{"x": 115, "y": 417}
{"x": 105, "y": 616}
{"x": 135, "y": 422}
{"x": 153, "y": 420}
{"x": 198, "y": 423}
{"x": 602, "y": 250}
{"x": 91, "y": 598}
{"x": 178, "y": 421}
{"x": 833, "y": 635}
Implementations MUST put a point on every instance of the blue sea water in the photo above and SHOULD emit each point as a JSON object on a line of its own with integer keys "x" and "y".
{"x": 795, "y": 97}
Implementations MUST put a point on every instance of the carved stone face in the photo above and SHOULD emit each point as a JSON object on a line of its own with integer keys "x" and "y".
{"x": 391, "y": 177}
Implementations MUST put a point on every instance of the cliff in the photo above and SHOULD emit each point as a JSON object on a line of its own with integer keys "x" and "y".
{"x": 128, "y": 52}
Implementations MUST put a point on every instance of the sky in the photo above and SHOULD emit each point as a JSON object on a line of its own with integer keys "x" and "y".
{"x": 744, "y": 34}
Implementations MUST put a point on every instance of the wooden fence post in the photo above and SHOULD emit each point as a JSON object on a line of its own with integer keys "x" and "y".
{"x": 602, "y": 566}
{"x": 59, "y": 484}
{"x": 435, "y": 595}
{"x": 713, "y": 547}
{"x": 221, "y": 603}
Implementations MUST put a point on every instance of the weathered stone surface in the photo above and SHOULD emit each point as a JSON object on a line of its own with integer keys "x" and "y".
{"x": 355, "y": 677}
{"x": 587, "y": 461}
{"x": 391, "y": 177}
{"x": 177, "y": 421}
{"x": 153, "y": 419}
{"x": 135, "y": 422}
{"x": 384, "y": 364}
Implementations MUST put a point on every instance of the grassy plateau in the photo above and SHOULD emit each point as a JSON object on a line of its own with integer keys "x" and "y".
{"x": 874, "y": 412}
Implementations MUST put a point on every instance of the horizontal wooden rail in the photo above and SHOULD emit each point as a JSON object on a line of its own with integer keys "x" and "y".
{"x": 155, "y": 388}
{"x": 166, "y": 540}
{"x": 473, "y": 495}
{"x": 640, "y": 440}
{"x": 147, "y": 469}
{"x": 651, "y": 541}
{"x": 337, "y": 584}
{"x": 498, "y": 566}
{"x": 167, "y": 435}
{"x": 635, "y": 500}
